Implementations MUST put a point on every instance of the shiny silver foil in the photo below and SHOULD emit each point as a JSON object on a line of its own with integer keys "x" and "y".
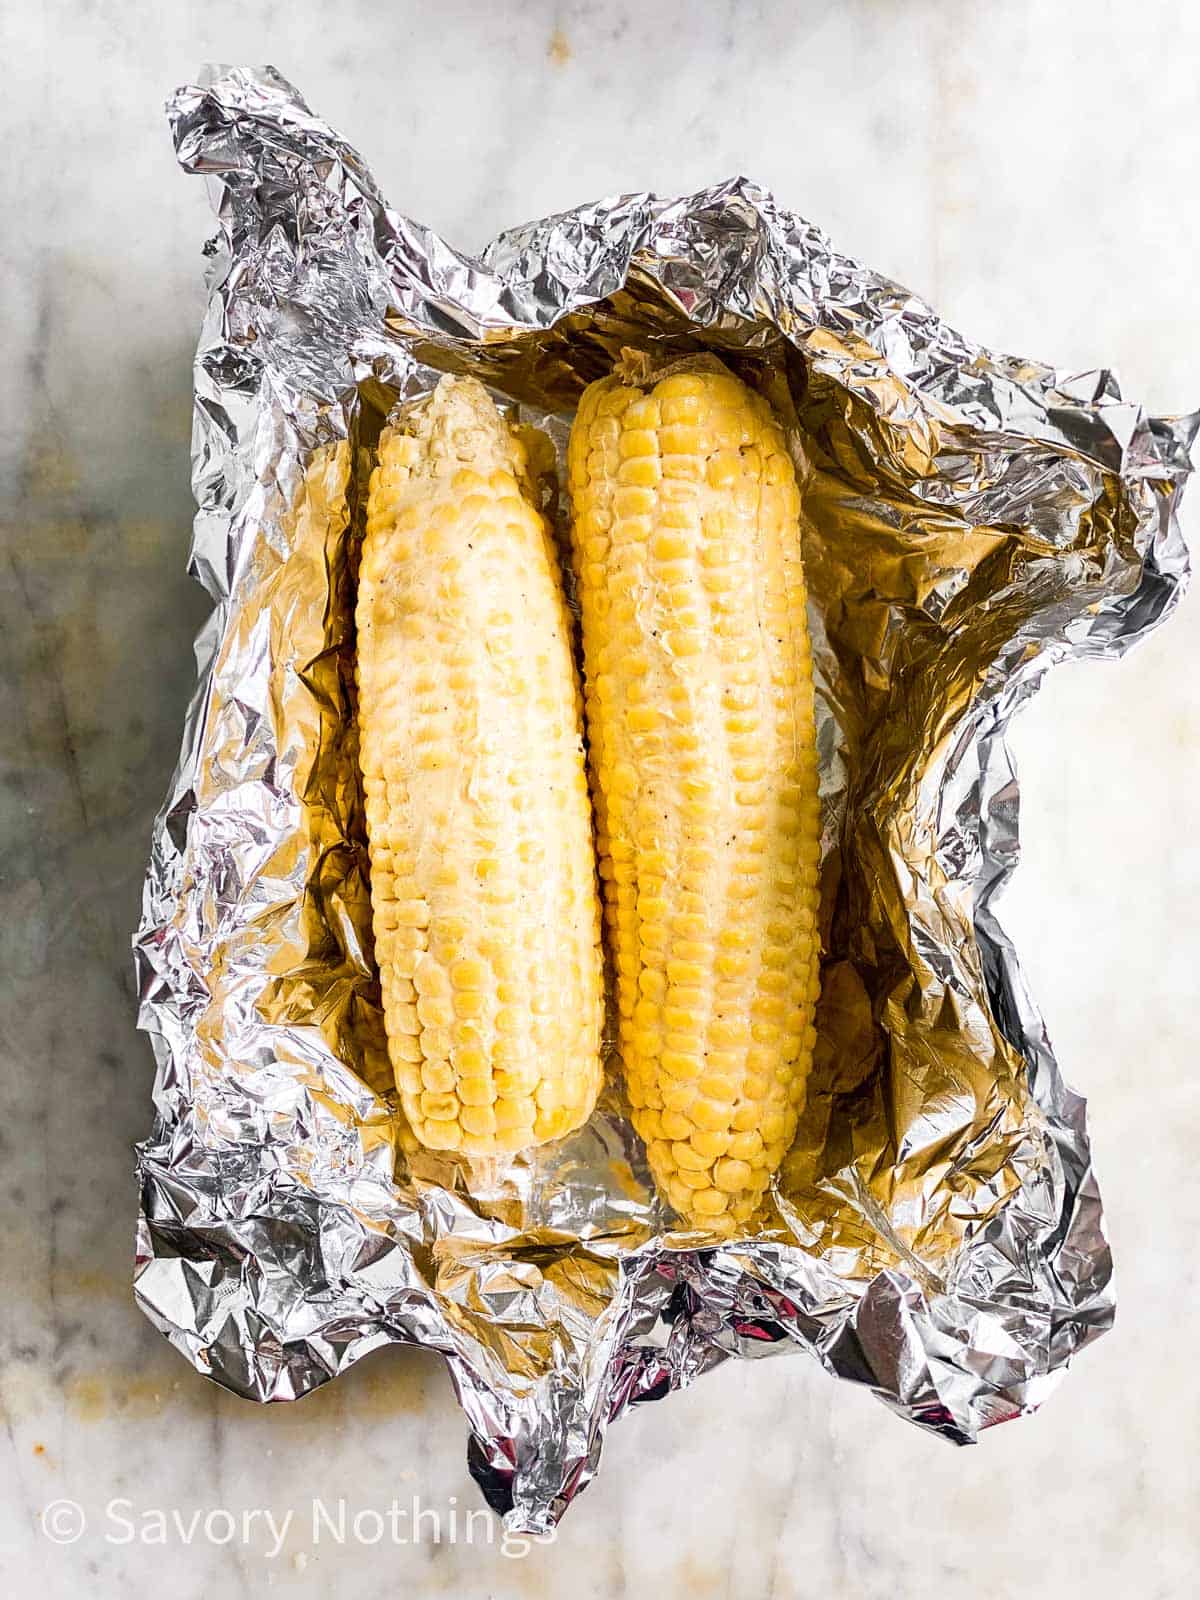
{"x": 936, "y": 1233}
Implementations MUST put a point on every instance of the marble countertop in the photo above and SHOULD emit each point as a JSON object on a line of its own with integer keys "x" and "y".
{"x": 1031, "y": 170}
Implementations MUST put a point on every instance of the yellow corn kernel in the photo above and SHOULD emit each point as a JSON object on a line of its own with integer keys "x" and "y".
{"x": 710, "y": 1114}
{"x": 732, "y": 1176}
{"x": 513, "y": 1113}
{"x": 478, "y": 1119}
{"x": 675, "y": 1125}
{"x": 438, "y": 1135}
{"x": 712, "y": 1141}
{"x": 688, "y": 1158}
{"x": 438, "y": 1076}
{"x": 468, "y": 973}
{"x": 441, "y": 1107}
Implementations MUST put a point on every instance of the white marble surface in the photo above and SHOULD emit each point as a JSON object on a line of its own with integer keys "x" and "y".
{"x": 1030, "y": 168}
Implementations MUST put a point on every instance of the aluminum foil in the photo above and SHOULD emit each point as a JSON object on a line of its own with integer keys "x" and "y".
{"x": 936, "y": 1231}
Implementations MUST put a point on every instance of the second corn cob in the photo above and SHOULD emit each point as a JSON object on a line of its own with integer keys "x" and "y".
{"x": 483, "y": 886}
{"x": 699, "y": 702}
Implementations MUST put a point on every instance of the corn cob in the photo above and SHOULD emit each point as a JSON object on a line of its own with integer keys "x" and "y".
{"x": 699, "y": 710}
{"x": 486, "y": 912}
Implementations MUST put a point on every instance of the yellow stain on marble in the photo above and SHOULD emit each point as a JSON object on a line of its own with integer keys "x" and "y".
{"x": 105, "y": 1390}
{"x": 51, "y": 470}
{"x": 696, "y": 1581}
{"x": 173, "y": 420}
{"x": 395, "y": 1384}
{"x": 532, "y": 1572}
{"x": 559, "y": 51}
{"x": 68, "y": 1280}
{"x": 145, "y": 538}
{"x": 92, "y": 1284}
{"x": 97, "y": 1395}
{"x": 88, "y": 1398}
{"x": 37, "y": 541}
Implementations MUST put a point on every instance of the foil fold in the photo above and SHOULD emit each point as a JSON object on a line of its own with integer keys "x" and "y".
{"x": 936, "y": 1231}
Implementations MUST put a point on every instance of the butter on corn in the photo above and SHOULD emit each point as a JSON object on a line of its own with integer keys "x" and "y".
{"x": 699, "y": 710}
{"x": 483, "y": 883}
